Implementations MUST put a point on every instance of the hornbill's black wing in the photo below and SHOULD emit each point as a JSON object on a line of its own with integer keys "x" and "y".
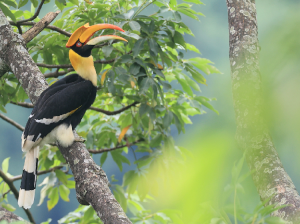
{"x": 55, "y": 87}
{"x": 59, "y": 107}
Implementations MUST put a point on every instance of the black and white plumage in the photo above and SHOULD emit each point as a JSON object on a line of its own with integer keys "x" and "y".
{"x": 61, "y": 107}
{"x": 56, "y": 114}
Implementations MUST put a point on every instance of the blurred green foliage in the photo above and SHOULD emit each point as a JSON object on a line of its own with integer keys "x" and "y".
{"x": 194, "y": 187}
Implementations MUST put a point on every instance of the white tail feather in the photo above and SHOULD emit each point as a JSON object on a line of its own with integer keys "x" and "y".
{"x": 27, "y": 190}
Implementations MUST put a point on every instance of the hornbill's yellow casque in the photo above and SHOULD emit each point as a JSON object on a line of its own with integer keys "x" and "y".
{"x": 61, "y": 107}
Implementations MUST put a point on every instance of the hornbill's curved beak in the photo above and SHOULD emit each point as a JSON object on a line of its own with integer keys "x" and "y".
{"x": 85, "y": 32}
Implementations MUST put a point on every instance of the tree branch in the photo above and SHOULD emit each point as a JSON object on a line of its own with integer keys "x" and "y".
{"x": 252, "y": 132}
{"x": 9, "y": 216}
{"x": 39, "y": 26}
{"x": 70, "y": 66}
{"x": 113, "y": 112}
{"x": 26, "y": 105}
{"x": 20, "y": 127}
{"x": 9, "y": 182}
{"x": 91, "y": 180}
{"x": 94, "y": 151}
{"x": 54, "y": 28}
{"x": 29, "y": 105}
{"x": 35, "y": 14}
{"x": 57, "y": 73}
{"x": 19, "y": 177}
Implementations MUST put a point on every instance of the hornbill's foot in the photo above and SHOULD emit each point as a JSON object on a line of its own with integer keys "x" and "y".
{"x": 79, "y": 139}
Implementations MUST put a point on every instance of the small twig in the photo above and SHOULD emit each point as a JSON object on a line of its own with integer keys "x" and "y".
{"x": 26, "y": 105}
{"x": 35, "y": 15}
{"x": 19, "y": 177}
{"x": 3, "y": 195}
{"x": 19, "y": 29}
{"x": 20, "y": 127}
{"x": 137, "y": 165}
{"x": 57, "y": 74}
{"x": 11, "y": 186}
{"x": 113, "y": 112}
{"x": 95, "y": 151}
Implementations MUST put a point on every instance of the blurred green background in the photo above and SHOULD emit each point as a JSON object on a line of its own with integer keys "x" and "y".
{"x": 204, "y": 175}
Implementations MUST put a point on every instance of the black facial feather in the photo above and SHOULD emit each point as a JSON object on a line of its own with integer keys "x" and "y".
{"x": 84, "y": 50}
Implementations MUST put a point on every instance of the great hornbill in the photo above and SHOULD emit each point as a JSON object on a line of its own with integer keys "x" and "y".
{"x": 61, "y": 107}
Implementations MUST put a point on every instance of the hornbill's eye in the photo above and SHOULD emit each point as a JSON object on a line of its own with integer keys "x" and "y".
{"x": 78, "y": 44}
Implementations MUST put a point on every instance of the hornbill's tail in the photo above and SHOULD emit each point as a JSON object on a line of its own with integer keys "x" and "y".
{"x": 28, "y": 183}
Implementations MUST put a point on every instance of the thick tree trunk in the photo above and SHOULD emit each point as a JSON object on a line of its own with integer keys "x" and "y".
{"x": 91, "y": 181}
{"x": 252, "y": 133}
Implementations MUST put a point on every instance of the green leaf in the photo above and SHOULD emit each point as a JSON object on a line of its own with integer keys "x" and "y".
{"x": 126, "y": 58}
{"x": 151, "y": 26}
{"x": 64, "y": 192}
{"x": 11, "y": 3}
{"x": 71, "y": 184}
{"x": 107, "y": 50}
{"x": 197, "y": 76}
{"x": 53, "y": 198}
{"x": 18, "y": 13}
{"x": 191, "y": 47}
{"x": 59, "y": 5}
{"x": 203, "y": 64}
{"x": 22, "y": 3}
{"x": 153, "y": 46}
{"x": 5, "y": 165}
{"x": 8, "y": 207}
{"x": 177, "y": 16}
{"x": 190, "y": 82}
{"x": 156, "y": 141}
{"x": 62, "y": 177}
{"x": 177, "y": 123}
{"x": 134, "y": 68}
{"x": 120, "y": 196}
{"x": 188, "y": 13}
{"x": 3, "y": 109}
{"x": 35, "y": 3}
{"x": 144, "y": 108}
{"x": 128, "y": 177}
{"x": 134, "y": 25}
{"x": 88, "y": 215}
{"x": 198, "y": 2}
{"x": 168, "y": 119}
{"x": 138, "y": 46}
{"x": 119, "y": 159}
{"x": 145, "y": 84}
{"x": 110, "y": 81}
{"x": 178, "y": 38}
{"x": 128, "y": 14}
{"x": 185, "y": 86}
{"x": 7, "y": 12}
{"x": 103, "y": 158}
{"x": 75, "y": 2}
{"x": 204, "y": 102}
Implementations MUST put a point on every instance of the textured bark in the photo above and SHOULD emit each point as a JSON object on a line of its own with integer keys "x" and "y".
{"x": 92, "y": 185}
{"x": 39, "y": 26}
{"x": 91, "y": 181}
{"x": 9, "y": 216}
{"x": 30, "y": 34}
{"x": 252, "y": 133}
